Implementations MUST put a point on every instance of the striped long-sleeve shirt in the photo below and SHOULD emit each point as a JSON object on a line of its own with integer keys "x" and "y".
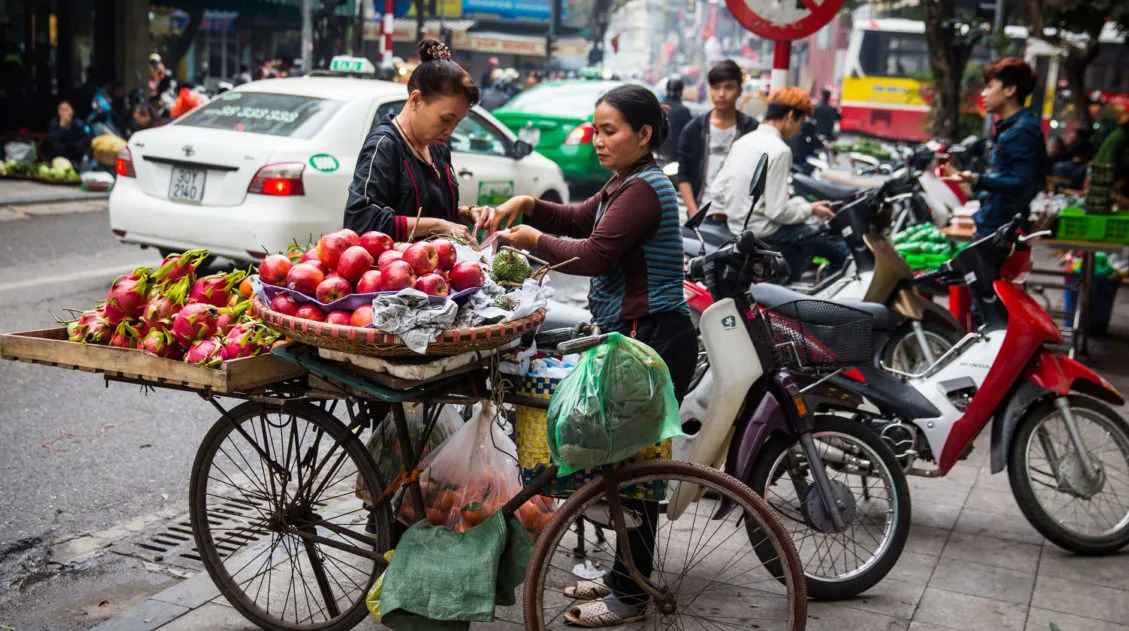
{"x": 627, "y": 237}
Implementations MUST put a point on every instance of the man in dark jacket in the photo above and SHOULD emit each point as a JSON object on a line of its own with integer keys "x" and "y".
{"x": 706, "y": 140}
{"x": 1019, "y": 163}
{"x": 677, "y": 114}
{"x": 825, "y": 116}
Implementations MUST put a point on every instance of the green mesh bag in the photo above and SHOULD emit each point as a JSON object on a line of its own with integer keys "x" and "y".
{"x": 616, "y": 401}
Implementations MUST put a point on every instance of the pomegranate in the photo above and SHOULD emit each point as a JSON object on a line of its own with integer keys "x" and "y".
{"x": 432, "y": 285}
{"x": 284, "y": 304}
{"x": 422, "y": 257}
{"x": 466, "y": 274}
{"x": 128, "y": 295}
{"x": 216, "y": 289}
{"x": 330, "y": 248}
{"x": 338, "y": 317}
{"x": 397, "y": 275}
{"x": 333, "y": 289}
{"x": 350, "y": 235}
{"x": 376, "y": 243}
{"x": 210, "y": 352}
{"x": 304, "y": 278}
{"x": 369, "y": 283}
{"x": 125, "y": 336}
{"x": 178, "y": 266}
{"x": 353, "y": 263}
{"x": 388, "y": 257}
{"x": 362, "y": 316}
{"x": 445, "y": 250}
{"x": 160, "y": 343}
{"x": 195, "y": 321}
{"x": 274, "y": 268}
{"x": 310, "y": 312}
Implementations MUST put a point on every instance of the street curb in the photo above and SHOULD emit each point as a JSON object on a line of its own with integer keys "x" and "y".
{"x": 51, "y": 199}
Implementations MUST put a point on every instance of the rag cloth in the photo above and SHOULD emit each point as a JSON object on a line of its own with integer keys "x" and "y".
{"x": 410, "y": 315}
{"x": 440, "y": 580}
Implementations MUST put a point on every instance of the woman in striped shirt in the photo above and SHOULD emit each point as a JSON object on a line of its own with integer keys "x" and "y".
{"x": 627, "y": 238}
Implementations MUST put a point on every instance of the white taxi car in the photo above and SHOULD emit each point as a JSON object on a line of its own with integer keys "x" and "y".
{"x": 271, "y": 161}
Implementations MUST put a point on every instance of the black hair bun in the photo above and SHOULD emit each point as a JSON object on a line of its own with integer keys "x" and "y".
{"x": 431, "y": 49}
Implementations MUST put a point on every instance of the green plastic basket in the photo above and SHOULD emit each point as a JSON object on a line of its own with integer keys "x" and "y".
{"x": 1075, "y": 225}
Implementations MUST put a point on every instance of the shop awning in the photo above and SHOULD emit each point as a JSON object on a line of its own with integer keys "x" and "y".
{"x": 404, "y": 29}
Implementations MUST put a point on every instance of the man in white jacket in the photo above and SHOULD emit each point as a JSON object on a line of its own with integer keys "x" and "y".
{"x": 777, "y": 220}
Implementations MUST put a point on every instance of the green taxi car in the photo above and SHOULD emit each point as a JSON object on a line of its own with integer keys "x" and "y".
{"x": 556, "y": 118}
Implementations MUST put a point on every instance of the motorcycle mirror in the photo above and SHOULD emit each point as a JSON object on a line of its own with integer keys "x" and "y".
{"x": 700, "y": 216}
{"x": 756, "y": 186}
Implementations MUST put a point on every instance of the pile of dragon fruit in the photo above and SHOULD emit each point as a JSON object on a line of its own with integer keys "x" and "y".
{"x": 343, "y": 264}
{"x": 170, "y": 313}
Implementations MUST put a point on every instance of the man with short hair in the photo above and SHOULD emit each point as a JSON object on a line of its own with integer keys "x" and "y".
{"x": 1019, "y": 162}
{"x": 707, "y": 139}
{"x": 678, "y": 115}
{"x": 825, "y": 115}
{"x": 780, "y": 222}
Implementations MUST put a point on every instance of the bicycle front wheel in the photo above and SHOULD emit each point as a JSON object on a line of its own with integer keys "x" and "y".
{"x": 708, "y": 575}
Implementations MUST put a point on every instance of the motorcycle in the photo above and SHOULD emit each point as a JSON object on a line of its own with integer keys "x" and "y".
{"x": 835, "y": 482}
{"x": 1063, "y": 447}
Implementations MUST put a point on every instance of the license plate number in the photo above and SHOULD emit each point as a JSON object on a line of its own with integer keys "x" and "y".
{"x": 532, "y": 135}
{"x": 187, "y": 185}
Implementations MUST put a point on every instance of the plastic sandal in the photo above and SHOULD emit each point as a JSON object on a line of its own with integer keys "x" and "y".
{"x": 595, "y": 614}
{"x": 588, "y": 590}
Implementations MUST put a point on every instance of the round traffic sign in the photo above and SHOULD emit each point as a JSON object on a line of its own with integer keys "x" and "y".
{"x": 784, "y": 20}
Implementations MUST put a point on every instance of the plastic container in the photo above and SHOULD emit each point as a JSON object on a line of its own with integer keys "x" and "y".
{"x": 1075, "y": 225}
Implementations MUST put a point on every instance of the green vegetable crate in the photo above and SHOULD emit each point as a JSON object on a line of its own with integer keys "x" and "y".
{"x": 1075, "y": 225}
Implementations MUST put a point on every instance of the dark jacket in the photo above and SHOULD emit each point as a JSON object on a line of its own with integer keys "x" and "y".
{"x": 1017, "y": 173}
{"x": 390, "y": 184}
{"x": 826, "y": 116}
{"x": 692, "y": 162}
{"x": 679, "y": 116}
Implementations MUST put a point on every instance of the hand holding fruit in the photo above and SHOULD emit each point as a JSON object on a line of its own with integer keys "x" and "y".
{"x": 505, "y": 215}
{"x": 522, "y": 237}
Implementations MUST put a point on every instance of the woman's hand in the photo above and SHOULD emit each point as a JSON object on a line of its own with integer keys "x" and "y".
{"x": 505, "y": 215}
{"x": 522, "y": 237}
{"x": 456, "y": 230}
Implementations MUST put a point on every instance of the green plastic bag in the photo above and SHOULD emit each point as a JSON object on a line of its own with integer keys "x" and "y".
{"x": 617, "y": 400}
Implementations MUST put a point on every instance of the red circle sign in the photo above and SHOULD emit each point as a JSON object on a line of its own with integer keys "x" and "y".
{"x": 784, "y": 19}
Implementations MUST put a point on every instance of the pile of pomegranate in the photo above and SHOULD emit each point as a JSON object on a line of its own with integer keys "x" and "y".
{"x": 344, "y": 263}
{"x": 170, "y": 313}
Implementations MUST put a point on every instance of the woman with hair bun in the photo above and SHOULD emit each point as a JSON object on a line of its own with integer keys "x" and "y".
{"x": 405, "y": 163}
{"x": 627, "y": 238}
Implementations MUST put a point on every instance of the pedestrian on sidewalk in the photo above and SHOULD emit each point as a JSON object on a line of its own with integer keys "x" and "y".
{"x": 68, "y": 136}
{"x": 706, "y": 140}
{"x": 1018, "y": 168}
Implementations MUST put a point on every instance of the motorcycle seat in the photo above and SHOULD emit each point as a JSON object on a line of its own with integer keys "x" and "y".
{"x": 821, "y": 189}
{"x": 770, "y": 296}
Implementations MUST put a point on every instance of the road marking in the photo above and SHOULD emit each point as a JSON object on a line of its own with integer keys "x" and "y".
{"x": 72, "y": 277}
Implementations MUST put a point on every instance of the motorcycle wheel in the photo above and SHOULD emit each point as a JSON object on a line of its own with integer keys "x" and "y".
{"x": 903, "y": 352}
{"x": 1075, "y": 512}
{"x": 872, "y": 486}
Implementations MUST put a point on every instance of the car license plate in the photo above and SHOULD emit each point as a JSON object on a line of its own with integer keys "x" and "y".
{"x": 532, "y": 135}
{"x": 187, "y": 185}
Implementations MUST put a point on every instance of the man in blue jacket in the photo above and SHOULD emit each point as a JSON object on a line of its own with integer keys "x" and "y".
{"x": 1019, "y": 162}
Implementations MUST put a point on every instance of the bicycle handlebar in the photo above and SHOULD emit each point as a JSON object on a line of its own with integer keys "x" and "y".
{"x": 581, "y": 344}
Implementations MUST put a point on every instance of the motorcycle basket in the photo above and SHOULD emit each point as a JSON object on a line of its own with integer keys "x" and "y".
{"x": 815, "y": 335}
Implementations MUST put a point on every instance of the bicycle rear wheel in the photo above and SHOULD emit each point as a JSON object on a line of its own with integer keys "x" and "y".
{"x": 262, "y": 484}
{"x": 704, "y": 567}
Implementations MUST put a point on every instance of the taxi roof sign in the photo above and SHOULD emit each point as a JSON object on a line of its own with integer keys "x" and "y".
{"x": 355, "y": 65}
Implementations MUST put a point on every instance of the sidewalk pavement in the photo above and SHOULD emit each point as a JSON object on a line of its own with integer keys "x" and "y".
{"x": 14, "y": 192}
{"x": 972, "y": 562}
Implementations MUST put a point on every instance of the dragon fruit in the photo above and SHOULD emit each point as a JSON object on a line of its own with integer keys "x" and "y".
{"x": 125, "y": 335}
{"x": 178, "y": 266}
{"x": 164, "y": 305}
{"x": 160, "y": 342}
{"x": 128, "y": 295}
{"x": 216, "y": 289}
{"x": 195, "y": 321}
{"x": 90, "y": 327}
{"x": 248, "y": 339}
{"x": 210, "y": 352}
{"x": 230, "y": 316}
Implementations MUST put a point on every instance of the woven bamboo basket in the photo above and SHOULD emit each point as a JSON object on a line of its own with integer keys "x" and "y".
{"x": 370, "y": 341}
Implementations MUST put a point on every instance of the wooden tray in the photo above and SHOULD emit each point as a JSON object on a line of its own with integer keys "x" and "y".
{"x": 52, "y": 348}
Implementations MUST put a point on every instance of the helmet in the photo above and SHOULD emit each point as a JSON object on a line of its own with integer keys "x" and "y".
{"x": 154, "y": 58}
{"x": 492, "y": 62}
{"x": 674, "y": 85}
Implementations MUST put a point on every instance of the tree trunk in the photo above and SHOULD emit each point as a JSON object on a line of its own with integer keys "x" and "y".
{"x": 1075, "y": 63}
{"x": 938, "y": 16}
{"x": 180, "y": 47}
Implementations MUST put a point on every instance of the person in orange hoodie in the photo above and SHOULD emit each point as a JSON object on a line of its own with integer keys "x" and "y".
{"x": 186, "y": 101}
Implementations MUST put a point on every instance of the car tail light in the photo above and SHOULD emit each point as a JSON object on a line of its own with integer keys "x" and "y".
{"x": 282, "y": 180}
{"x": 124, "y": 163}
{"x": 581, "y": 135}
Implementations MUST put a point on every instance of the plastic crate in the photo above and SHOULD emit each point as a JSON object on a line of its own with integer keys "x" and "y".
{"x": 1075, "y": 225}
